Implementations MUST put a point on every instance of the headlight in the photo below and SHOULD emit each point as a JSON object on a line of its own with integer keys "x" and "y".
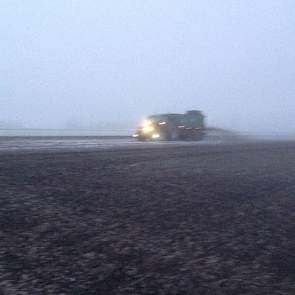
{"x": 147, "y": 123}
{"x": 148, "y": 129}
{"x": 155, "y": 135}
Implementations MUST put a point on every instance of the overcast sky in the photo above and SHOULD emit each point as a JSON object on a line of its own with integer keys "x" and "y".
{"x": 67, "y": 61}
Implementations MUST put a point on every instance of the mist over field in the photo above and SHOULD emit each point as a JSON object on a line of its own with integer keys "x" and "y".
{"x": 90, "y": 64}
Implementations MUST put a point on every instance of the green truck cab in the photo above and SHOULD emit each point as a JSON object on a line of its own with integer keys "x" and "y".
{"x": 188, "y": 126}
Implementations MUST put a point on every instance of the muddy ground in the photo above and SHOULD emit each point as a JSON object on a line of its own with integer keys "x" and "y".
{"x": 216, "y": 219}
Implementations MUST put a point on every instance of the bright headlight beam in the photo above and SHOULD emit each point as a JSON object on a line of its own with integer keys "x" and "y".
{"x": 146, "y": 123}
{"x": 148, "y": 129}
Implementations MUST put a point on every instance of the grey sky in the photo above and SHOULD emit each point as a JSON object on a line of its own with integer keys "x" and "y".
{"x": 91, "y": 61}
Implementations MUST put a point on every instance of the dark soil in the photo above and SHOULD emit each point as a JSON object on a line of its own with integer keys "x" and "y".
{"x": 168, "y": 220}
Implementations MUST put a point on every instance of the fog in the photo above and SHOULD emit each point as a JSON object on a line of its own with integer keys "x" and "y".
{"x": 83, "y": 63}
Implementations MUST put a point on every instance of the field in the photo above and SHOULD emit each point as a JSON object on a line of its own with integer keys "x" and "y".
{"x": 160, "y": 219}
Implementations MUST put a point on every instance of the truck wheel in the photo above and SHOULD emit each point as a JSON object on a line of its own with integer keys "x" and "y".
{"x": 174, "y": 135}
{"x": 164, "y": 136}
{"x": 199, "y": 136}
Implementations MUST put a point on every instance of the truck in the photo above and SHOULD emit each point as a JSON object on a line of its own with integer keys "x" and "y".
{"x": 167, "y": 127}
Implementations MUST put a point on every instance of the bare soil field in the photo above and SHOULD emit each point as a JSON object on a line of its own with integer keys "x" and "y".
{"x": 191, "y": 219}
